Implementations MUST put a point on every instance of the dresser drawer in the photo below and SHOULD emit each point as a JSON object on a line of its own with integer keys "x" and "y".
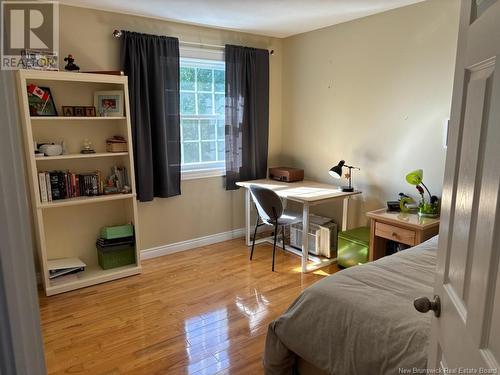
{"x": 394, "y": 233}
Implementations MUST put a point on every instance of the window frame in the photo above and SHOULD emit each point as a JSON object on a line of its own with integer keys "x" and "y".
{"x": 215, "y": 57}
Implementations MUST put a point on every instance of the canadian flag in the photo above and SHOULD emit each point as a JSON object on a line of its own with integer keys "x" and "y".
{"x": 37, "y": 91}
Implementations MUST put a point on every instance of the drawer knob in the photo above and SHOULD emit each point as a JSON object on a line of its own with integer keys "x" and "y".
{"x": 394, "y": 234}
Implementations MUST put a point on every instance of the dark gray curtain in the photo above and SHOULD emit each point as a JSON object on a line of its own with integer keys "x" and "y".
{"x": 247, "y": 114}
{"x": 151, "y": 63}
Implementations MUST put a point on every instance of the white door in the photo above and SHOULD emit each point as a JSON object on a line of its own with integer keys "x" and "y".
{"x": 467, "y": 333}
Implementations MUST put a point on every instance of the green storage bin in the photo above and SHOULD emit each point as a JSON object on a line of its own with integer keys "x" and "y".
{"x": 353, "y": 247}
{"x": 119, "y": 231}
{"x": 116, "y": 256}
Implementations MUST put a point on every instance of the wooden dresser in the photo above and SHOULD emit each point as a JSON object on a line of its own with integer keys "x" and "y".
{"x": 409, "y": 229}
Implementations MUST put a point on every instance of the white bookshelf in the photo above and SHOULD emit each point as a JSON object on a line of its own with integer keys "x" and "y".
{"x": 70, "y": 227}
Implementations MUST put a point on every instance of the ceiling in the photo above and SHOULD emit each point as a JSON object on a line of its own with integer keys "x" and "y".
{"x": 278, "y": 18}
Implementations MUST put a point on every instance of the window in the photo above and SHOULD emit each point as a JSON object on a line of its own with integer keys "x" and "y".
{"x": 202, "y": 103}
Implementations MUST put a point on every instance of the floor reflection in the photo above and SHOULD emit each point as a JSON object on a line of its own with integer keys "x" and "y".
{"x": 208, "y": 339}
{"x": 255, "y": 309}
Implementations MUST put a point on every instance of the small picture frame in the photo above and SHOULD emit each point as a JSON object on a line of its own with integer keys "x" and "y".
{"x": 39, "y": 106}
{"x": 79, "y": 111}
{"x": 109, "y": 103}
{"x": 68, "y": 110}
{"x": 90, "y": 111}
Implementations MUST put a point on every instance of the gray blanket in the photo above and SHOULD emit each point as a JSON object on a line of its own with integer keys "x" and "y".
{"x": 360, "y": 320}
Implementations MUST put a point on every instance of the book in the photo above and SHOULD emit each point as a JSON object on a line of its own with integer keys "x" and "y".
{"x": 54, "y": 185}
{"x": 64, "y": 279}
{"x": 61, "y": 272}
{"x": 63, "y": 266}
{"x": 49, "y": 190}
{"x": 43, "y": 187}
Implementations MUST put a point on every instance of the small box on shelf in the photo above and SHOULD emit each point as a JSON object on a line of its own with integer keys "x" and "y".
{"x": 116, "y": 144}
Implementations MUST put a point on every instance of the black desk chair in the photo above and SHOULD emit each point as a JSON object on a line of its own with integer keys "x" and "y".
{"x": 271, "y": 212}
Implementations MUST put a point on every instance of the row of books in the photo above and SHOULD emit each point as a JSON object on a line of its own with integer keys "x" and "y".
{"x": 55, "y": 185}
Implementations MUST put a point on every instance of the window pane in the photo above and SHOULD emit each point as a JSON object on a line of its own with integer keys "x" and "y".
{"x": 221, "y": 150}
{"x": 190, "y": 130}
{"x": 220, "y": 104}
{"x": 188, "y": 104}
{"x": 208, "y": 152}
{"x": 205, "y": 104}
{"x": 220, "y": 129}
{"x": 207, "y": 129}
{"x": 219, "y": 80}
{"x": 191, "y": 152}
{"x": 204, "y": 79}
{"x": 187, "y": 78}
{"x": 202, "y": 102}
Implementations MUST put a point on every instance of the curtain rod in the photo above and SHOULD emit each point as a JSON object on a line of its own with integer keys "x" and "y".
{"x": 118, "y": 34}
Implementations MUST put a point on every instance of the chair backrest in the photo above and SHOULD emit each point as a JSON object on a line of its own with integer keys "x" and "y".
{"x": 268, "y": 203}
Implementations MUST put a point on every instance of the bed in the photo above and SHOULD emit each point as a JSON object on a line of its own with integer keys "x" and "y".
{"x": 357, "y": 321}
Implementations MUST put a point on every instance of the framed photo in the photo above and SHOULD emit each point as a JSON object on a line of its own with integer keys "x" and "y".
{"x": 68, "y": 111}
{"x": 79, "y": 111}
{"x": 109, "y": 103}
{"x": 90, "y": 111}
{"x": 41, "y": 101}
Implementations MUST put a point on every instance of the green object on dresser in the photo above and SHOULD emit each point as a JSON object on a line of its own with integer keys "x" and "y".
{"x": 119, "y": 231}
{"x": 116, "y": 256}
{"x": 353, "y": 247}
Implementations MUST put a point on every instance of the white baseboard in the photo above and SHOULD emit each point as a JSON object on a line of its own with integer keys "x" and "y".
{"x": 191, "y": 244}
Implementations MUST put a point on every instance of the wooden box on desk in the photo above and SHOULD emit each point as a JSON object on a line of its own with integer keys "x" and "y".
{"x": 286, "y": 174}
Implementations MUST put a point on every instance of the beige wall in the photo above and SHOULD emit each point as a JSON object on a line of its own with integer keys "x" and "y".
{"x": 375, "y": 92}
{"x": 204, "y": 207}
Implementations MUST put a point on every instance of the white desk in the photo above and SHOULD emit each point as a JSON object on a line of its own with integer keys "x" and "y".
{"x": 307, "y": 193}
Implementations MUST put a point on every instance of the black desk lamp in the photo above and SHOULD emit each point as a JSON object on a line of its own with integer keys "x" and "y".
{"x": 336, "y": 172}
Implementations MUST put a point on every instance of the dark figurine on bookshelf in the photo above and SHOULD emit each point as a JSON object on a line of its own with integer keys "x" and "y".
{"x": 71, "y": 66}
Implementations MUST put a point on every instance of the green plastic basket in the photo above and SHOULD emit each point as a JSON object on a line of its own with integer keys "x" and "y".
{"x": 116, "y": 257}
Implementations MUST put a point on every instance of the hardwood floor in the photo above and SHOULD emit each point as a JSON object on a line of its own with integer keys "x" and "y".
{"x": 203, "y": 311}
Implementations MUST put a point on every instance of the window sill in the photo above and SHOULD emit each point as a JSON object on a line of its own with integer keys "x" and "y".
{"x": 202, "y": 173}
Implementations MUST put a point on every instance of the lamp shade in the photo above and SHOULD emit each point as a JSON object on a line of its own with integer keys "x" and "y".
{"x": 336, "y": 171}
{"x": 415, "y": 177}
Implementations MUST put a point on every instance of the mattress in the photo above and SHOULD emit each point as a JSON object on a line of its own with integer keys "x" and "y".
{"x": 360, "y": 320}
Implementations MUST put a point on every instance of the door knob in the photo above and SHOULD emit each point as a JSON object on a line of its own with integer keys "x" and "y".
{"x": 423, "y": 304}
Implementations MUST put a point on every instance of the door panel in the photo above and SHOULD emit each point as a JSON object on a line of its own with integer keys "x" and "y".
{"x": 467, "y": 188}
{"x": 494, "y": 340}
{"x": 485, "y": 262}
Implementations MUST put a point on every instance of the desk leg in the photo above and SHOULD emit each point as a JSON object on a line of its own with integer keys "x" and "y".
{"x": 345, "y": 211}
{"x": 305, "y": 236}
{"x": 247, "y": 217}
{"x": 377, "y": 244}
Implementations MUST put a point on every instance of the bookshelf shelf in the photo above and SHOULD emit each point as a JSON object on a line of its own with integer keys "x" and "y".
{"x": 82, "y": 156}
{"x": 85, "y": 200}
{"x": 91, "y": 276}
{"x": 73, "y": 118}
{"x": 72, "y": 229}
